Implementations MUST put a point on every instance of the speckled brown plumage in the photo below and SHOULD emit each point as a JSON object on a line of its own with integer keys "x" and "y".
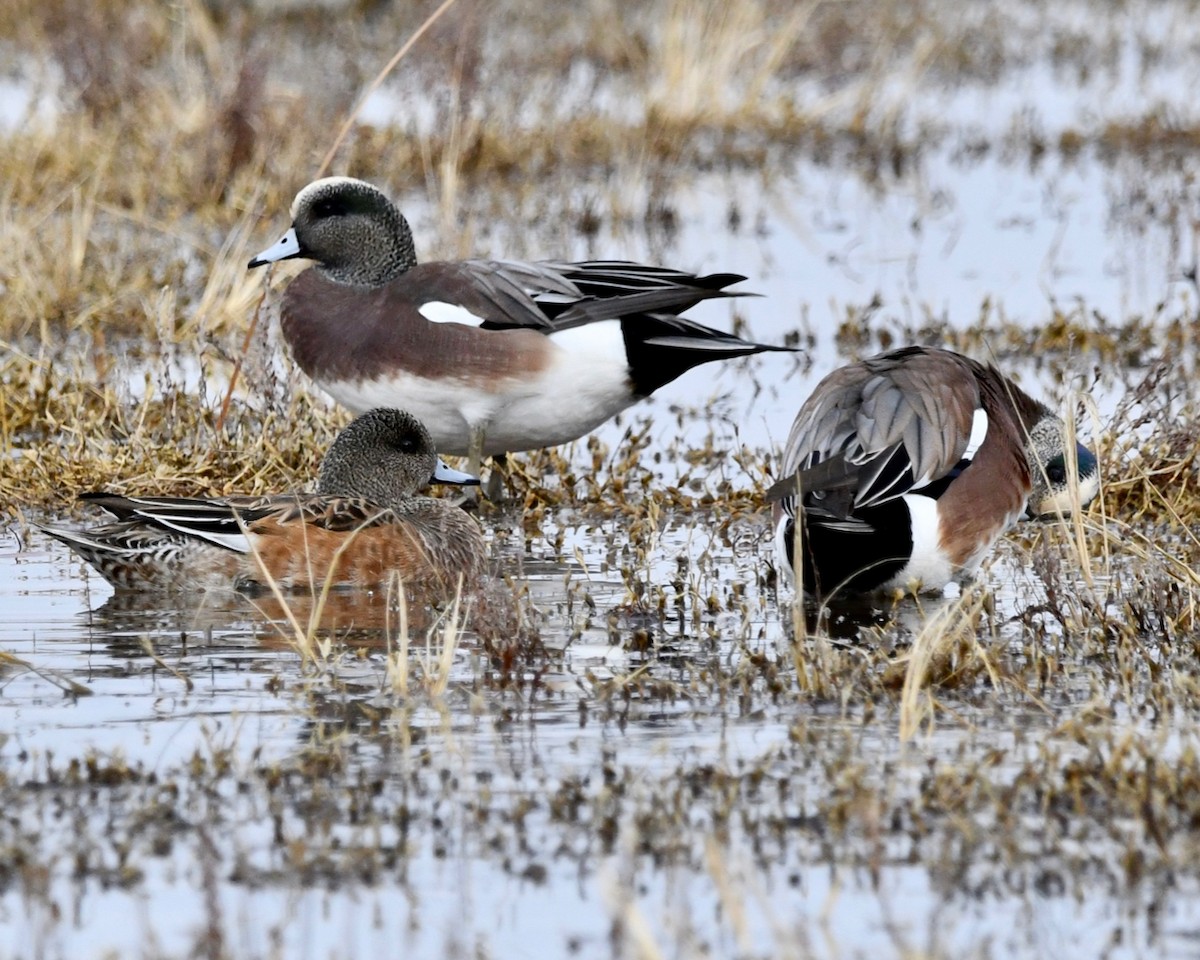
{"x": 362, "y": 526}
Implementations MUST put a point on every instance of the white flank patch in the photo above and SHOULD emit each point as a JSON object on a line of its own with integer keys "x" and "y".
{"x": 588, "y": 382}
{"x": 781, "y": 545}
{"x": 585, "y": 383}
{"x": 447, "y": 408}
{"x": 601, "y": 344}
{"x": 439, "y": 311}
{"x": 979, "y": 429}
{"x": 288, "y": 246}
{"x": 927, "y": 564}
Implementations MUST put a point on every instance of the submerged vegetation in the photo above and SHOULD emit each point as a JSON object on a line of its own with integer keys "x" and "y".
{"x": 629, "y": 730}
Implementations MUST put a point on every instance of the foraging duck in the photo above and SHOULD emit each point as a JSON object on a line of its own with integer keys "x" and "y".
{"x": 361, "y": 525}
{"x": 493, "y": 356}
{"x": 910, "y": 465}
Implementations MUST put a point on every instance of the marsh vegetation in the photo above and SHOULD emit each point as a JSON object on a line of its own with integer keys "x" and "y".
{"x": 629, "y": 748}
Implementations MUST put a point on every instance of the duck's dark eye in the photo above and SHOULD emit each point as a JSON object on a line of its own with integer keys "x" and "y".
{"x": 407, "y": 445}
{"x": 1056, "y": 471}
{"x": 328, "y": 207}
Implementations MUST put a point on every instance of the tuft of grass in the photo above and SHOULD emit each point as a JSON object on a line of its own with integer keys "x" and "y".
{"x": 946, "y": 651}
{"x": 436, "y": 659}
{"x": 711, "y": 61}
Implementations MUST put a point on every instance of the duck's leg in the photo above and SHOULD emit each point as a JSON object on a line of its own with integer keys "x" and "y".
{"x": 475, "y": 458}
{"x": 494, "y": 486}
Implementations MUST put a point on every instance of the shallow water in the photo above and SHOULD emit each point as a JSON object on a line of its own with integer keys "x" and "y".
{"x": 630, "y": 799}
{"x": 516, "y": 822}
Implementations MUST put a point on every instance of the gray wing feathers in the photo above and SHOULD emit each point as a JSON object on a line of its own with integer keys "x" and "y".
{"x": 510, "y": 287}
{"x": 586, "y": 292}
{"x": 882, "y": 419}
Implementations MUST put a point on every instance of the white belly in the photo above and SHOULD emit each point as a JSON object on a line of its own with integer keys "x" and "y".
{"x": 586, "y": 383}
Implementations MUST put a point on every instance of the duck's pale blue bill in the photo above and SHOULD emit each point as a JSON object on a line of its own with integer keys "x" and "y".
{"x": 288, "y": 246}
{"x": 446, "y": 474}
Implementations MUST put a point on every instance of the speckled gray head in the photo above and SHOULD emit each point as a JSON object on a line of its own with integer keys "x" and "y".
{"x": 1052, "y": 464}
{"x": 385, "y": 456}
{"x": 352, "y": 230}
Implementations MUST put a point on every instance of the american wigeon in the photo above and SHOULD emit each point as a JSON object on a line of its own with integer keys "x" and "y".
{"x": 361, "y": 525}
{"x": 910, "y": 465}
{"x": 494, "y": 356}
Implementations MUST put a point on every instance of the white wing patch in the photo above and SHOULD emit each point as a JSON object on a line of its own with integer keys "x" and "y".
{"x": 979, "y": 429}
{"x": 438, "y": 311}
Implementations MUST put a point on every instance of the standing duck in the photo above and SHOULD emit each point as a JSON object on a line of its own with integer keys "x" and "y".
{"x": 494, "y": 356}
